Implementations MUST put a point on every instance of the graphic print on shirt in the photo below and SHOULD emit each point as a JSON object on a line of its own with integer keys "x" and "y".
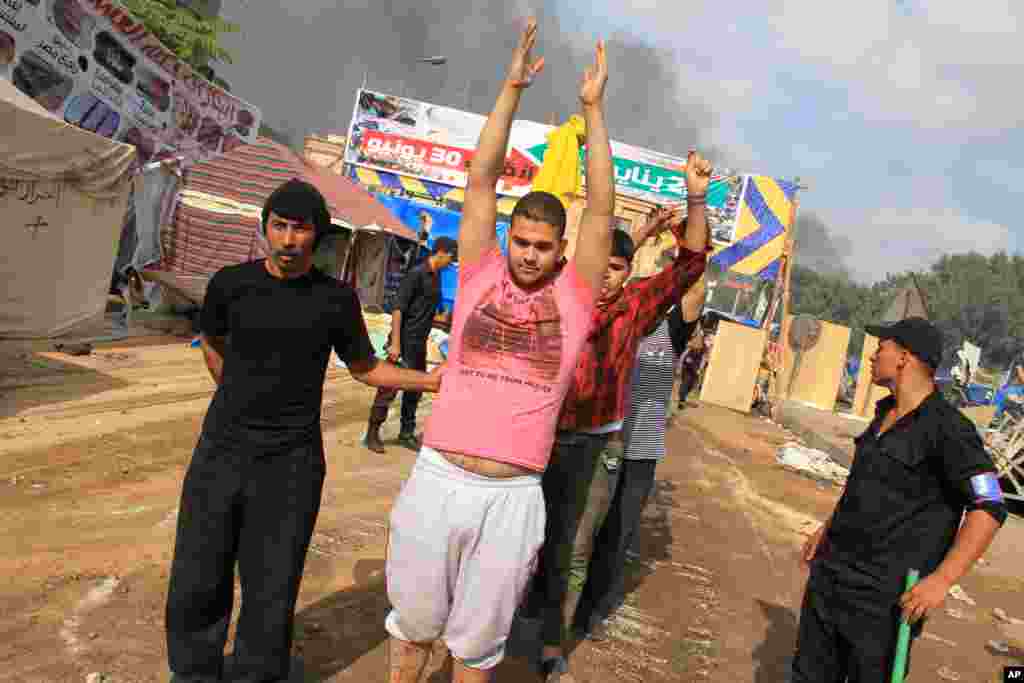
{"x": 508, "y": 330}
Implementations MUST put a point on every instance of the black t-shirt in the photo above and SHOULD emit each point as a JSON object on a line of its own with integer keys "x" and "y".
{"x": 418, "y": 297}
{"x": 905, "y": 497}
{"x": 279, "y": 339}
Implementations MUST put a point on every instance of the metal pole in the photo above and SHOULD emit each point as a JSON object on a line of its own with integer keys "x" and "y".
{"x": 784, "y": 324}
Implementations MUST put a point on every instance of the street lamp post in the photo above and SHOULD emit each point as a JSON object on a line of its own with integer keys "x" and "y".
{"x": 437, "y": 60}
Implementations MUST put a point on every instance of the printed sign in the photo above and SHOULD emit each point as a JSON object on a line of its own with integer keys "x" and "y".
{"x": 435, "y": 143}
{"x": 90, "y": 63}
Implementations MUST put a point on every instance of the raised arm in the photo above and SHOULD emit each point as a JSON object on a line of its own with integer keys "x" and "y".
{"x": 698, "y": 178}
{"x": 693, "y": 301}
{"x": 656, "y": 223}
{"x": 594, "y": 242}
{"x": 655, "y": 295}
{"x": 477, "y": 234}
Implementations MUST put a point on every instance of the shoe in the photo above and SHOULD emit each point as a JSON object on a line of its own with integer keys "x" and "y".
{"x": 598, "y": 631}
{"x": 409, "y": 440}
{"x": 372, "y": 439}
{"x": 556, "y": 670}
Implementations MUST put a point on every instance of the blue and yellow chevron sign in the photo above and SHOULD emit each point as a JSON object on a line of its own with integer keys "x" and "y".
{"x": 764, "y": 218}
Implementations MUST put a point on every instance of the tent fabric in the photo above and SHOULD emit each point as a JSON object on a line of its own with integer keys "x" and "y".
{"x": 63, "y": 196}
{"x": 202, "y": 241}
{"x": 444, "y": 223}
{"x": 217, "y": 221}
{"x": 156, "y": 190}
{"x": 367, "y": 267}
{"x": 40, "y": 147}
{"x": 250, "y": 173}
{"x": 908, "y": 302}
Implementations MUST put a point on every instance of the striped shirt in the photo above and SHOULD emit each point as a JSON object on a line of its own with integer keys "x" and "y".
{"x": 650, "y": 392}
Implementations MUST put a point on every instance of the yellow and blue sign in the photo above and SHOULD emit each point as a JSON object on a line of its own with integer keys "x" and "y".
{"x": 765, "y": 215}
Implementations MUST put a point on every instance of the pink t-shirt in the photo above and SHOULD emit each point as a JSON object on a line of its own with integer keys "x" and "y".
{"x": 511, "y": 356}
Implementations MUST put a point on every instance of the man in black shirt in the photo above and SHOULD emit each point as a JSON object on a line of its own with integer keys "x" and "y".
{"x": 917, "y": 470}
{"x": 252, "y": 490}
{"x": 411, "y": 321}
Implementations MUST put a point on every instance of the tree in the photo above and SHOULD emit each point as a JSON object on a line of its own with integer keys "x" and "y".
{"x": 970, "y": 296}
{"x": 192, "y": 37}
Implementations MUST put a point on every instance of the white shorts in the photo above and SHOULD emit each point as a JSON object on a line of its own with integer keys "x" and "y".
{"x": 462, "y": 550}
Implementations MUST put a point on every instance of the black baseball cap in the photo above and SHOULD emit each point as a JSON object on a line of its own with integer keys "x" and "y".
{"x": 916, "y": 335}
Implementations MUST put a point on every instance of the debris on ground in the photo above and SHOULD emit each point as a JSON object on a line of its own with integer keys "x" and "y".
{"x": 1000, "y": 615}
{"x": 811, "y": 462}
{"x": 1000, "y": 646}
{"x": 1014, "y": 634}
{"x": 74, "y": 349}
{"x": 97, "y": 677}
{"x": 938, "y": 639}
{"x": 957, "y": 593}
{"x": 957, "y": 614}
{"x": 947, "y": 674}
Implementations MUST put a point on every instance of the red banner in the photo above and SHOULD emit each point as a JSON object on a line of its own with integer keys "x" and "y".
{"x": 441, "y": 163}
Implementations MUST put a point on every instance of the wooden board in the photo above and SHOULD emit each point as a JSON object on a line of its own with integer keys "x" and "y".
{"x": 868, "y": 394}
{"x": 821, "y": 369}
{"x": 981, "y": 416}
{"x": 732, "y": 367}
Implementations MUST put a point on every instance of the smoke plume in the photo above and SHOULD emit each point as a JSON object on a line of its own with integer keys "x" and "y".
{"x": 302, "y": 61}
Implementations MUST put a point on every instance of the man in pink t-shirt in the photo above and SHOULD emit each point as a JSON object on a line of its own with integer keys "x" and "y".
{"x": 467, "y": 526}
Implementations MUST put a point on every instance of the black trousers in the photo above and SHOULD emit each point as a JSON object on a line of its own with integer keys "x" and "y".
{"x": 606, "y": 579}
{"x": 686, "y": 384}
{"x": 260, "y": 512}
{"x": 844, "y": 638}
{"x": 414, "y": 356}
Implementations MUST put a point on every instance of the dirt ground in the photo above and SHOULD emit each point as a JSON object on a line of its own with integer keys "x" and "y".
{"x": 93, "y": 450}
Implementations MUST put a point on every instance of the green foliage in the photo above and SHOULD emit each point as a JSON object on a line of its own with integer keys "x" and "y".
{"x": 195, "y": 39}
{"x": 970, "y": 296}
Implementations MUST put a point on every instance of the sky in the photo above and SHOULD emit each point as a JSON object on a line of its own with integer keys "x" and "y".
{"x": 903, "y": 118}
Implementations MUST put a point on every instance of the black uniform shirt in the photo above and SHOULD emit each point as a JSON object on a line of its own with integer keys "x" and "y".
{"x": 279, "y": 338}
{"x": 905, "y": 498}
{"x": 418, "y": 297}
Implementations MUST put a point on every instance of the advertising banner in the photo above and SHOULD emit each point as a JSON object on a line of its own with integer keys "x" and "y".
{"x": 436, "y": 143}
{"x": 90, "y": 63}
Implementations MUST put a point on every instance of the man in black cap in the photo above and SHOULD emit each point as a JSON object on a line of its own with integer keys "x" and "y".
{"x": 411, "y": 321}
{"x": 252, "y": 490}
{"x": 919, "y": 470}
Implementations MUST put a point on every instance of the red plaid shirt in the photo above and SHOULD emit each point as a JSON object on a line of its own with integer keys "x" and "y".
{"x": 597, "y": 395}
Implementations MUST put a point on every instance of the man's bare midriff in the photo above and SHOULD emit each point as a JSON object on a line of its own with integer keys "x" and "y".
{"x": 485, "y": 467}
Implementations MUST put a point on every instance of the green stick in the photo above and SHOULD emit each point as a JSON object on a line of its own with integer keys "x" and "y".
{"x": 899, "y": 665}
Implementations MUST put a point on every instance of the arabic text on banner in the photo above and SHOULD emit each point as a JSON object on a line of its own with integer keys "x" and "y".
{"x": 92, "y": 64}
{"x": 435, "y": 143}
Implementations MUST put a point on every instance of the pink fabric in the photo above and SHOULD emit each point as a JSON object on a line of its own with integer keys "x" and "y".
{"x": 510, "y": 361}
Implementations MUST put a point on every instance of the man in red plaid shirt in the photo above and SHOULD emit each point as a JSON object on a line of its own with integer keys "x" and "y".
{"x": 581, "y": 477}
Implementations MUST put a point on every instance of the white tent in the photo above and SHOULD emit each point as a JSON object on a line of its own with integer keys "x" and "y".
{"x": 63, "y": 195}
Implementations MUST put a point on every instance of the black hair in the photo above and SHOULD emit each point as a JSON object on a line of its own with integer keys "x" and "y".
{"x": 622, "y": 245}
{"x": 447, "y": 245}
{"x": 544, "y": 207}
{"x": 297, "y": 200}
